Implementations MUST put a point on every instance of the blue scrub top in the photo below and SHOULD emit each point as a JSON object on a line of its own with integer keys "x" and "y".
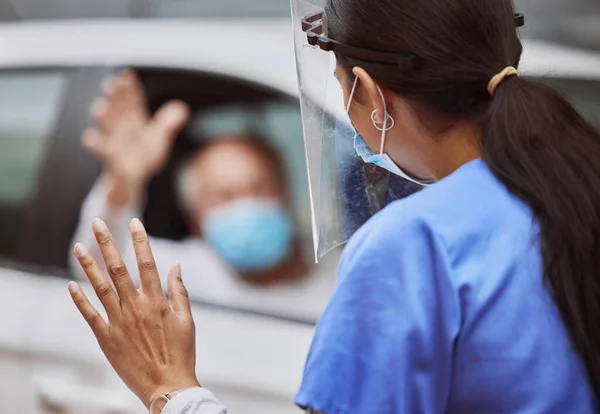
{"x": 441, "y": 307}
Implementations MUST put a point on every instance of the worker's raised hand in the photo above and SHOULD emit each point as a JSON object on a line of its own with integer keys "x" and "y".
{"x": 133, "y": 145}
{"x": 149, "y": 341}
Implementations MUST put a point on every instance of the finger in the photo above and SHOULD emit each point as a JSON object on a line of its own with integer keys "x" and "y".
{"x": 130, "y": 80}
{"x": 109, "y": 86}
{"x": 89, "y": 313}
{"x": 149, "y": 278}
{"x": 178, "y": 294}
{"x": 92, "y": 140}
{"x": 105, "y": 114}
{"x": 99, "y": 109}
{"x": 170, "y": 119}
{"x": 101, "y": 285}
{"x": 114, "y": 263}
{"x": 132, "y": 94}
{"x": 128, "y": 76}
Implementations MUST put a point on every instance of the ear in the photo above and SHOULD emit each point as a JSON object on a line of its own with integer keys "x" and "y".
{"x": 374, "y": 94}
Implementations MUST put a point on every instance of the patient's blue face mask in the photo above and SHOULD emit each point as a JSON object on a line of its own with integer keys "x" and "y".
{"x": 381, "y": 159}
{"x": 252, "y": 235}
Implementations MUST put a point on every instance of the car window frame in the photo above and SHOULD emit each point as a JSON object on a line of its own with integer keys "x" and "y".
{"x": 70, "y": 120}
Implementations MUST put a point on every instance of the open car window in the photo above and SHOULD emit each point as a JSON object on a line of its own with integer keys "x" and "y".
{"x": 59, "y": 175}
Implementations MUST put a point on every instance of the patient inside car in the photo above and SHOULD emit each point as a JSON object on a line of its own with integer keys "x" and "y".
{"x": 233, "y": 191}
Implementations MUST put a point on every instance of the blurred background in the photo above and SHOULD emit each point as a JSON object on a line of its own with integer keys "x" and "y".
{"x": 231, "y": 63}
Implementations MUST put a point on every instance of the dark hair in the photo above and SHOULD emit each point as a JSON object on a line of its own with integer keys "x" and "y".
{"x": 533, "y": 140}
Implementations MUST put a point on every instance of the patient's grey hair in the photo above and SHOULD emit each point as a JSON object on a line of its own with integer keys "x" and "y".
{"x": 187, "y": 182}
{"x": 187, "y": 185}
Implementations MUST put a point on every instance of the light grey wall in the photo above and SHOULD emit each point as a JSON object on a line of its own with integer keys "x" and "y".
{"x": 573, "y": 22}
{"x": 50, "y": 9}
{"x": 53, "y": 9}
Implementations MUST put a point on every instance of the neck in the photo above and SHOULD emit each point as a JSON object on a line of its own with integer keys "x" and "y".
{"x": 458, "y": 146}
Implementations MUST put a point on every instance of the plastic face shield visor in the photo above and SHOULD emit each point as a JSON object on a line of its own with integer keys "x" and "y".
{"x": 344, "y": 191}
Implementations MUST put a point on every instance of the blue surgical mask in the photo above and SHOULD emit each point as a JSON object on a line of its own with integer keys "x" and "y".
{"x": 382, "y": 159}
{"x": 250, "y": 234}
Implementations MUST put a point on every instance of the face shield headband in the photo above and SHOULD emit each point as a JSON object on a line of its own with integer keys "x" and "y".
{"x": 313, "y": 26}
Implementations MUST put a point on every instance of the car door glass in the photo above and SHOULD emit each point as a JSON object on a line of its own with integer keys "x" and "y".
{"x": 30, "y": 104}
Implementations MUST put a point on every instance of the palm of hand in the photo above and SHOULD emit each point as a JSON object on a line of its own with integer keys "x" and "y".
{"x": 133, "y": 145}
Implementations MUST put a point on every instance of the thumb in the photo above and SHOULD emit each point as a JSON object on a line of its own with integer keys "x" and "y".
{"x": 171, "y": 118}
{"x": 178, "y": 294}
{"x": 92, "y": 140}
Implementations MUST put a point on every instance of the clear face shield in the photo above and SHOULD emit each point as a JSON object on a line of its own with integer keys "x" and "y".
{"x": 345, "y": 192}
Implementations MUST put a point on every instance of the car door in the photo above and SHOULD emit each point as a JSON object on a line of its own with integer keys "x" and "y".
{"x": 45, "y": 177}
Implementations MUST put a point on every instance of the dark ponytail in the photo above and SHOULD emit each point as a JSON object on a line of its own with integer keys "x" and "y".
{"x": 548, "y": 155}
{"x": 534, "y": 141}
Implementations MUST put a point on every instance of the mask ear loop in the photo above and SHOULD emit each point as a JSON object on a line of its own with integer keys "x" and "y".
{"x": 387, "y": 117}
{"x": 352, "y": 94}
{"x": 377, "y": 123}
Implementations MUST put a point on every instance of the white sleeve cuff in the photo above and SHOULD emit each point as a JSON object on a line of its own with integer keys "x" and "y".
{"x": 194, "y": 401}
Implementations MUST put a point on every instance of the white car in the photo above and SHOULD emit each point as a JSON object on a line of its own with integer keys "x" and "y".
{"x": 252, "y": 357}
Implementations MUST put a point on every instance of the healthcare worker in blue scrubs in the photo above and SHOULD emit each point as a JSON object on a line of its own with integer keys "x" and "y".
{"x": 479, "y": 293}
